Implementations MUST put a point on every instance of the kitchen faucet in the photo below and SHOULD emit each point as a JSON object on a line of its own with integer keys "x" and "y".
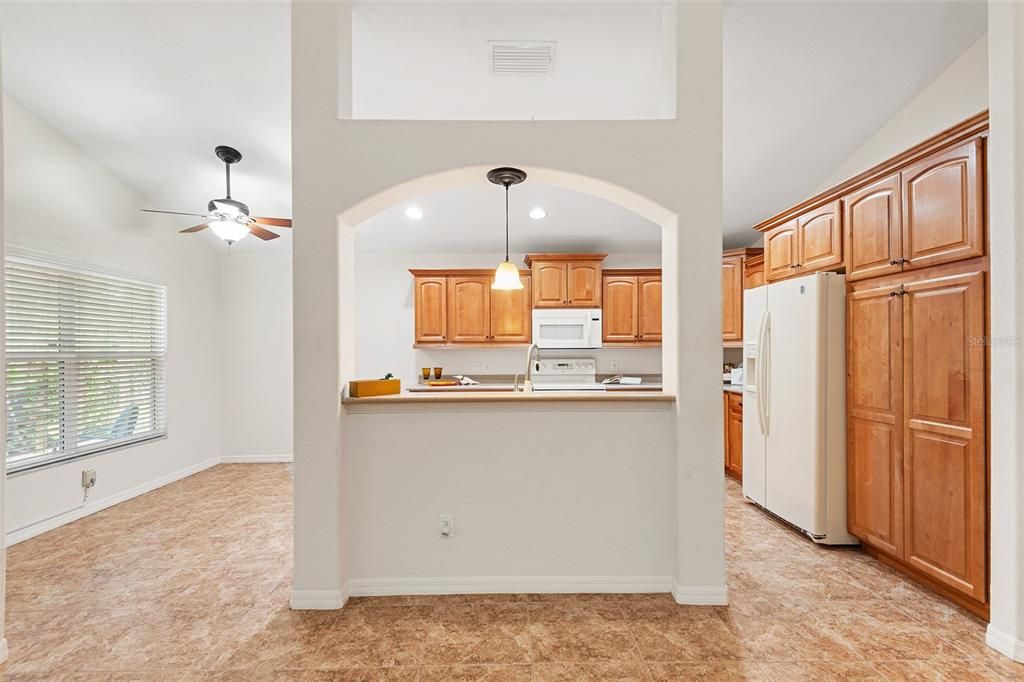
{"x": 527, "y": 382}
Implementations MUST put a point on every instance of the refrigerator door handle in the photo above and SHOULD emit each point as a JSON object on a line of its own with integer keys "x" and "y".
{"x": 763, "y": 386}
{"x": 762, "y": 394}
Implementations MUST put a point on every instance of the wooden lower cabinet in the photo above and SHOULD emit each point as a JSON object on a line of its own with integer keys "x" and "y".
{"x": 733, "y": 417}
{"x": 916, "y": 396}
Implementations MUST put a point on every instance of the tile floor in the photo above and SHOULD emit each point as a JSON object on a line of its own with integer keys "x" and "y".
{"x": 191, "y": 582}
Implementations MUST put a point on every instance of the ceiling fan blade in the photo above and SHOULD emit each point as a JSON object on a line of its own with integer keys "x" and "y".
{"x": 276, "y": 222}
{"x": 195, "y": 228}
{"x": 150, "y": 210}
{"x": 258, "y": 231}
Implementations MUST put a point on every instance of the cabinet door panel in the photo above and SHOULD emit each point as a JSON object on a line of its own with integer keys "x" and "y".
{"x": 431, "y": 301}
{"x": 874, "y": 385}
{"x": 511, "y": 321}
{"x": 942, "y": 207}
{"x": 944, "y": 403}
{"x": 584, "y": 284}
{"x": 620, "y": 313}
{"x": 872, "y": 220}
{"x": 780, "y": 252}
{"x": 649, "y": 308}
{"x": 732, "y": 298}
{"x": 469, "y": 309}
{"x": 820, "y": 238}
{"x": 734, "y": 424}
{"x": 753, "y": 272}
{"x": 549, "y": 284}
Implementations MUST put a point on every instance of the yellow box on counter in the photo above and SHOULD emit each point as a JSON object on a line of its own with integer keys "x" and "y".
{"x": 365, "y": 388}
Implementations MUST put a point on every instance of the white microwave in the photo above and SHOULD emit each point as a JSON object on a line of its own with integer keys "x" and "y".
{"x": 567, "y": 327}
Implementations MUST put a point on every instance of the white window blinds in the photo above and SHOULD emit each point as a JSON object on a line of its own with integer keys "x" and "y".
{"x": 85, "y": 361}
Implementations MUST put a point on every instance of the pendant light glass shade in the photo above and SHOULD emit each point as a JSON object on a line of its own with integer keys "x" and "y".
{"x": 506, "y": 277}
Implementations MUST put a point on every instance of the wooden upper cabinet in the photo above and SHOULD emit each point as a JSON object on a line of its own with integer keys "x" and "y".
{"x": 621, "y": 309}
{"x": 566, "y": 280}
{"x": 732, "y": 298}
{"x": 631, "y": 306}
{"x": 820, "y": 239}
{"x": 469, "y": 309}
{"x": 780, "y": 251}
{"x": 584, "y": 284}
{"x": 753, "y": 272}
{"x": 510, "y": 318}
{"x": 945, "y": 411}
{"x": 550, "y": 284}
{"x": 431, "y": 301}
{"x": 943, "y": 211}
{"x": 872, "y": 218}
{"x": 874, "y": 404}
{"x": 649, "y": 308}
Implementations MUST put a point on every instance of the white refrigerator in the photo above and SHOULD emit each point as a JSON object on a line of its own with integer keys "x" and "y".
{"x": 794, "y": 421}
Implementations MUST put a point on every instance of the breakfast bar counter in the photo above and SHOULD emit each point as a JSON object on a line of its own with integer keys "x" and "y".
{"x": 480, "y": 396}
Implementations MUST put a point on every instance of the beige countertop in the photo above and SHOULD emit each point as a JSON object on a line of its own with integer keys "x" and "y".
{"x": 424, "y": 397}
{"x": 732, "y": 388}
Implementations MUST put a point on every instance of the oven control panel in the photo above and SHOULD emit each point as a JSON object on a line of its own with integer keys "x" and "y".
{"x": 586, "y": 367}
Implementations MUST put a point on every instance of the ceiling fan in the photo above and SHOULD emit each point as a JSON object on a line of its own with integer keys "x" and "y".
{"x": 228, "y": 218}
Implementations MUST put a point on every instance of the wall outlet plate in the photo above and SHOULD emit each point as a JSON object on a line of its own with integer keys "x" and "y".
{"x": 88, "y": 478}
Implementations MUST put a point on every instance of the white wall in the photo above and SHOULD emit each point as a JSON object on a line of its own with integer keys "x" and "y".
{"x": 256, "y": 356}
{"x": 961, "y": 91}
{"x": 60, "y": 202}
{"x": 554, "y": 497}
{"x": 346, "y": 170}
{"x": 424, "y": 61}
{"x": 385, "y": 322}
{"x": 1006, "y": 240}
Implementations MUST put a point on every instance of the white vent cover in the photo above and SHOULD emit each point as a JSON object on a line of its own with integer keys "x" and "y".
{"x": 522, "y": 57}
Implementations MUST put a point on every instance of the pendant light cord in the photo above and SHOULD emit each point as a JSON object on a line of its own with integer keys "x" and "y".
{"x": 506, "y": 222}
{"x": 227, "y": 177}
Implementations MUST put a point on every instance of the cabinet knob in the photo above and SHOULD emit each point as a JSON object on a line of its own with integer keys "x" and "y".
{"x": 894, "y": 262}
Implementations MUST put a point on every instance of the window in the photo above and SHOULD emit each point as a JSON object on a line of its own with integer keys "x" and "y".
{"x": 86, "y": 353}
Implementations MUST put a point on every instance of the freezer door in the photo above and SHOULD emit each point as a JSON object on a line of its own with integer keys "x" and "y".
{"x": 754, "y": 427}
{"x": 795, "y": 453}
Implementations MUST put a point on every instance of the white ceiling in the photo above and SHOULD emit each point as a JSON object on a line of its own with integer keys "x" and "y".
{"x": 472, "y": 220}
{"x": 806, "y": 83}
{"x": 148, "y": 89}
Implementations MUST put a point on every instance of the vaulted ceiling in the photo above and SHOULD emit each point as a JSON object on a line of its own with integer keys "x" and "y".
{"x": 148, "y": 89}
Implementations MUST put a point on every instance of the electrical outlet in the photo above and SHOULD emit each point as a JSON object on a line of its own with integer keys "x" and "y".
{"x": 88, "y": 478}
{"x": 486, "y": 367}
{"x": 447, "y": 526}
{"x": 615, "y": 365}
{"x": 476, "y": 366}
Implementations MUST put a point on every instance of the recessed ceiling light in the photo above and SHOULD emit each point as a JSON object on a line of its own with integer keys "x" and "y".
{"x": 538, "y": 213}
{"x": 414, "y": 212}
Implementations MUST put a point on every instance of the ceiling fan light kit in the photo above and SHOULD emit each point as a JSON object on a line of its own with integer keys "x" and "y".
{"x": 229, "y": 218}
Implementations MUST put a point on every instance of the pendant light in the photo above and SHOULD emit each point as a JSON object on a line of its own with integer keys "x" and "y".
{"x": 506, "y": 277}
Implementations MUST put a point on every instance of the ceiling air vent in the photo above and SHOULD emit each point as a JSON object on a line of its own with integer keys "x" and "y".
{"x": 522, "y": 57}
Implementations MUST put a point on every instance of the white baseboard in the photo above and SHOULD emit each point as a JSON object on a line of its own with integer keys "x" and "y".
{"x": 701, "y": 596}
{"x": 256, "y": 459}
{"x": 319, "y": 600}
{"x": 94, "y": 506}
{"x": 381, "y": 587}
{"x": 1004, "y": 643}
